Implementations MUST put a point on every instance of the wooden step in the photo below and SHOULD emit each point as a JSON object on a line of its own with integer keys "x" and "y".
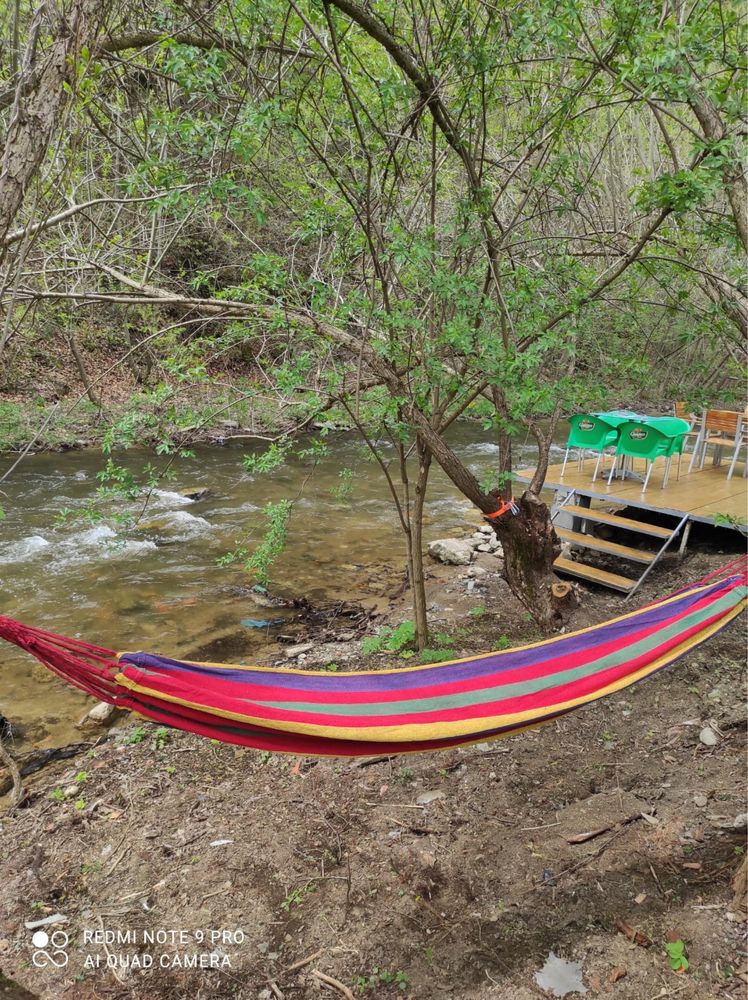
{"x": 595, "y": 575}
{"x": 602, "y": 545}
{"x": 603, "y": 517}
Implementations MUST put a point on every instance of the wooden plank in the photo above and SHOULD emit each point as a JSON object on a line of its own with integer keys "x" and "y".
{"x": 602, "y": 545}
{"x": 603, "y": 517}
{"x": 592, "y": 573}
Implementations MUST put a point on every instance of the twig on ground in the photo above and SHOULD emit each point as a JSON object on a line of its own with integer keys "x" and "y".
{"x": 334, "y": 983}
{"x": 304, "y": 961}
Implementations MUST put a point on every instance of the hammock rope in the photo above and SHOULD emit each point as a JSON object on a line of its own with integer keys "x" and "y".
{"x": 408, "y": 709}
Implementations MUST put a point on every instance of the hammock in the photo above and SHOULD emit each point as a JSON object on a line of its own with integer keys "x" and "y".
{"x": 396, "y": 711}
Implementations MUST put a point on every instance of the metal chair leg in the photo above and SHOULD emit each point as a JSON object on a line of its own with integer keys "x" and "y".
{"x": 742, "y": 442}
{"x": 563, "y": 467}
{"x": 649, "y": 473}
{"x": 666, "y": 476}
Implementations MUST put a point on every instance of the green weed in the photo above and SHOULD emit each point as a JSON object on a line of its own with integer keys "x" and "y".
{"x": 676, "y": 952}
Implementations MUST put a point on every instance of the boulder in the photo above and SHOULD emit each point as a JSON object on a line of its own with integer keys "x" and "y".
{"x": 455, "y": 551}
{"x": 101, "y": 712}
{"x": 99, "y": 715}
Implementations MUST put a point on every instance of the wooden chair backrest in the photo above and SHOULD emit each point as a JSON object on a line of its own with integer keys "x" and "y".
{"x": 723, "y": 421}
{"x": 683, "y": 411}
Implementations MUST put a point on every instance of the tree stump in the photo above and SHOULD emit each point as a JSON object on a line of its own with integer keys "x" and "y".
{"x": 563, "y": 597}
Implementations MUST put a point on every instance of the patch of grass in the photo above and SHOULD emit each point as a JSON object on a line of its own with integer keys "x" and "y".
{"x": 382, "y": 977}
{"x": 161, "y": 737}
{"x": 390, "y": 640}
{"x": 296, "y": 896}
{"x": 436, "y": 655}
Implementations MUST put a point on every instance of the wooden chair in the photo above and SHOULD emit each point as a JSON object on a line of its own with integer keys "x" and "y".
{"x": 695, "y": 421}
{"x": 741, "y": 441}
{"x": 721, "y": 429}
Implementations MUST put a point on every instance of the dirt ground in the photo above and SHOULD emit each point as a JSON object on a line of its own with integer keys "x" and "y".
{"x": 450, "y": 874}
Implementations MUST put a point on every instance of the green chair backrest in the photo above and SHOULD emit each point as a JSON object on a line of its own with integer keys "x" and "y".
{"x": 587, "y": 430}
{"x": 672, "y": 426}
{"x": 676, "y": 429}
{"x": 643, "y": 440}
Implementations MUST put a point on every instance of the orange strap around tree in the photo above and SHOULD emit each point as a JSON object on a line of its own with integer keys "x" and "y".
{"x": 506, "y": 505}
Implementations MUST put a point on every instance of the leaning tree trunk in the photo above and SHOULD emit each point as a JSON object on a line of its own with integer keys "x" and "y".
{"x": 530, "y": 547}
{"x": 528, "y": 539}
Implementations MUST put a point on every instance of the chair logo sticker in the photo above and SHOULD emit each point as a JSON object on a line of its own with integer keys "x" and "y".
{"x": 638, "y": 434}
{"x": 586, "y": 425}
{"x": 50, "y": 949}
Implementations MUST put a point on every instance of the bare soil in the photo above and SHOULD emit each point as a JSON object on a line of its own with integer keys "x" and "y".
{"x": 328, "y": 877}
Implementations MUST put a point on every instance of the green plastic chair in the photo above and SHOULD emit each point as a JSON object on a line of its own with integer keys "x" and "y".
{"x": 589, "y": 432}
{"x": 649, "y": 439}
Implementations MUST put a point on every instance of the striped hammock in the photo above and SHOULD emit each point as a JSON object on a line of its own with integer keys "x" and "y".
{"x": 395, "y": 711}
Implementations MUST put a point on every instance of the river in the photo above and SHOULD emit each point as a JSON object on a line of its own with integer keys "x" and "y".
{"x": 162, "y": 588}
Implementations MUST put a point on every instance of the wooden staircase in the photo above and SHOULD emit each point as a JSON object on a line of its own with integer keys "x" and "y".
{"x": 583, "y": 539}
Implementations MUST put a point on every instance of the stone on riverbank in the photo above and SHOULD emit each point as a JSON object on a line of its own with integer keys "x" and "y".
{"x": 298, "y": 650}
{"x": 459, "y": 551}
{"x": 97, "y": 716}
{"x": 454, "y": 551}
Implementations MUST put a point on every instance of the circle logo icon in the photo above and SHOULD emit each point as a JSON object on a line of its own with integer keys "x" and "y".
{"x": 56, "y": 942}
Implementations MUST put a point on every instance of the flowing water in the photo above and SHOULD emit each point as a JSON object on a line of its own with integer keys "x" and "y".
{"x": 162, "y": 588}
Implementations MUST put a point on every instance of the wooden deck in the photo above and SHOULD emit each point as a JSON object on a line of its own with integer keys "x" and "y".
{"x": 701, "y": 494}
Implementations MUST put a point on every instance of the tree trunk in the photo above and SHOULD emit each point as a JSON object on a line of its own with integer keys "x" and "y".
{"x": 37, "y": 109}
{"x": 413, "y": 527}
{"x": 415, "y": 545}
{"x": 736, "y": 186}
{"x": 530, "y": 546}
{"x": 78, "y": 358}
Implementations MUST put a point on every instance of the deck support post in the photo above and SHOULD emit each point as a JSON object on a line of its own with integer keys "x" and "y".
{"x": 578, "y": 523}
{"x": 684, "y": 538}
